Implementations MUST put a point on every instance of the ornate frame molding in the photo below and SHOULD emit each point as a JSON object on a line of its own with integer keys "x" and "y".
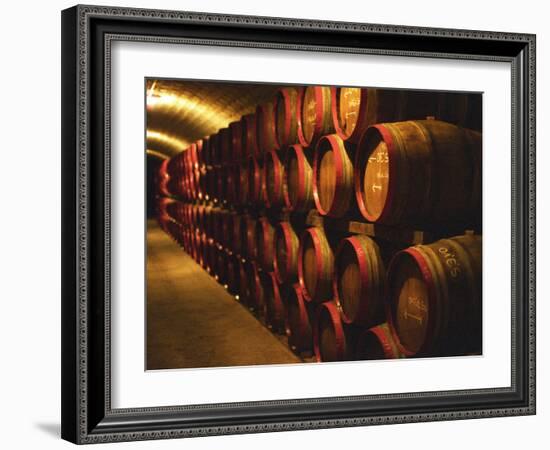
{"x": 80, "y": 423}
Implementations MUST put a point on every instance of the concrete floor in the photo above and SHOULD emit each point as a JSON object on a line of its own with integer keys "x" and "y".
{"x": 192, "y": 321}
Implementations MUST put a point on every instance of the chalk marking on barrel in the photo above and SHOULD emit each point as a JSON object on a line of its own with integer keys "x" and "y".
{"x": 407, "y": 314}
{"x": 418, "y": 303}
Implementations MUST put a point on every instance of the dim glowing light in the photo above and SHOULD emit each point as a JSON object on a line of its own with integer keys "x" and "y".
{"x": 166, "y": 140}
{"x": 182, "y": 106}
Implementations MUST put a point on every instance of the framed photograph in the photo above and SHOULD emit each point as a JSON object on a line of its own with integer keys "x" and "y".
{"x": 284, "y": 224}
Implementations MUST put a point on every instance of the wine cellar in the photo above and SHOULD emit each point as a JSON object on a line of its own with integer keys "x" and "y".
{"x": 343, "y": 223}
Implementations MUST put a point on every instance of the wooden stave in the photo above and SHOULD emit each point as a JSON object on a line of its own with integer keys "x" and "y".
{"x": 250, "y": 138}
{"x": 232, "y": 275}
{"x": 288, "y": 131}
{"x": 265, "y": 127}
{"x": 244, "y": 290}
{"x": 255, "y": 181}
{"x": 305, "y": 200}
{"x": 256, "y": 288}
{"x": 344, "y": 191}
{"x": 372, "y": 274}
{"x": 381, "y": 336}
{"x": 300, "y": 340}
{"x": 286, "y": 272}
{"x": 236, "y": 132}
{"x": 323, "y": 115}
{"x": 273, "y": 168}
{"x": 244, "y": 197}
{"x": 274, "y": 305}
{"x": 225, "y": 146}
{"x": 330, "y": 310}
{"x": 251, "y": 248}
{"x": 324, "y": 265}
{"x": 265, "y": 233}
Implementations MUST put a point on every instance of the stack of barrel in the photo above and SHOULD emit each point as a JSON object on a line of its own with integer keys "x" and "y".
{"x": 238, "y": 201}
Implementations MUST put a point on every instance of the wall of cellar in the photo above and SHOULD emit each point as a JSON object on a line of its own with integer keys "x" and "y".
{"x": 347, "y": 221}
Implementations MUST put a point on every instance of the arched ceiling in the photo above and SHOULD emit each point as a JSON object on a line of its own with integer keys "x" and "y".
{"x": 179, "y": 112}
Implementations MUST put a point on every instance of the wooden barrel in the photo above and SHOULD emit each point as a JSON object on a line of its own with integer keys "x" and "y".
{"x": 255, "y": 186}
{"x": 434, "y": 297}
{"x": 190, "y": 174}
{"x": 205, "y": 151}
{"x": 274, "y": 306}
{"x": 182, "y": 236}
{"x": 232, "y": 274}
{"x": 198, "y": 244}
{"x": 250, "y": 140}
{"x": 377, "y": 343}
{"x": 225, "y": 146}
{"x": 192, "y": 244}
{"x": 201, "y": 183}
{"x": 315, "y": 114}
{"x": 211, "y": 184}
{"x": 199, "y": 143}
{"x": 243, "y": 235}
{"x": 330, "y": 338}
{"x": 274, "y": 180}
{"x": 228, "y": 222}
{"x": 193, "y": 216}
{"x": 251, "y": 240}
{"x": 220, "y": 226}
{"x": 209, "y": 220}
{"x": 174, "y": 186}
{"x": 265, "y": 127}
{"x": 192, "y": 155}
{"x": 256, "y": 288}
{"x": 221, "y": 265}
{"x": 201, "y": 217}
{"x": 203, "y": 245}
{"x": 315, "y": 265}
{"x": 286, "y": 245}
{"x": 333, "y": 183}
{"x": 298, "y": 322}
{"x": 355, "y": 109}
{"x": 204, "y": 251}
{"x": 163, "y": 178}
{"x": 236, "y": 130}
{"x": 221, "y": 183}
{"x": 175, "y": 164}
{"x": 287, "y": 123}
{"x": 349, "y": 111}
{"x": 419, "y": 172}
{"x": 232, "y": 194}
{"x": 211, "y": 255}
{"x": 359, "y": 281}
{"x": 298, "y": 184}
{"x": 215, "y": 149}
{"x": 173, "y": 208}
{"x": 243, "y": 268}
{"x": 238, "y": 228}
{"x": 244, "y": 197}
{"x": 265, "y": 233}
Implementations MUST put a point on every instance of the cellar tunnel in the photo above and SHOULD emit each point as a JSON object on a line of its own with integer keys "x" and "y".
{"x": 296, "y": 224}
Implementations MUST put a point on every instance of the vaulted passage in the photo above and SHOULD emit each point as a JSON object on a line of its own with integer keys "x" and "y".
{"x": 192, "y": 321}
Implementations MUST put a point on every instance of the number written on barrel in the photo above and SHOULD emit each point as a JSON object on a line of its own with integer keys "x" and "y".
{"x": 451, "y": 261}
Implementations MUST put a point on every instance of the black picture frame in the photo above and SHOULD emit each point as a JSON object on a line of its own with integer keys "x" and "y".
{"x": 87, "y": 416}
